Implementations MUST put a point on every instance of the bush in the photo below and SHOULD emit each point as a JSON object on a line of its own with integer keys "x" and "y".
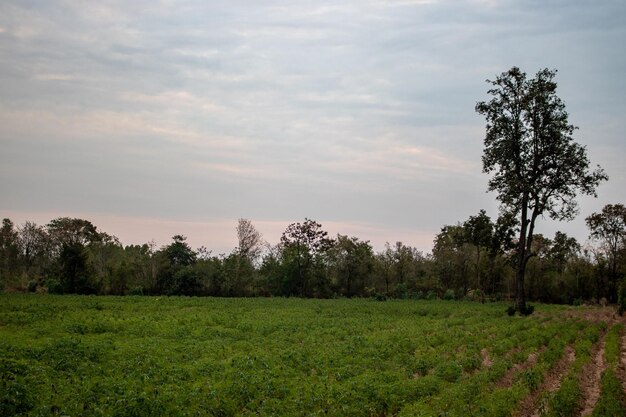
{"x": 380, "y": 297}
{"x": 431, "y": 295}
{"x": 449, "y": 294}
{"x": 136, "y": 291}
{"x": 54, "y": 286}
{"x": 32, "y": 285}
{"x": 524, "y": 312}
{"x": 402, "y": 291}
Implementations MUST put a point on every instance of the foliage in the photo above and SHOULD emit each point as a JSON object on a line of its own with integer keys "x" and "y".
{"x": 250, "y": 240}
{"x": 472, "y": 258}
{"x": 136, "y": 291}
{"x": 85, "y": 355}
{"x": 609, "y": 228}
{"x": 612, "y": 401}
{"x": 351, "y": 265}
{"x": 564, "y": 402}
{"x": 54, "y": 286}
{"x": 536, "y": 166}
{"x": 16, "y": 396}
{"x": 304, "y": 249}
{"x": 448, "y": 295}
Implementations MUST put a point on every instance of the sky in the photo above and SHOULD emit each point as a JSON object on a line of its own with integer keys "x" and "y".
{"x": 156, "y": 118}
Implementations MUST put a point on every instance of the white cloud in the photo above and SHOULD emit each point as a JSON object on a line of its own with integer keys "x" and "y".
{"x": 286, "y": 107}
{"x": 54, "y": 77}
{"x": 180, "y": 100}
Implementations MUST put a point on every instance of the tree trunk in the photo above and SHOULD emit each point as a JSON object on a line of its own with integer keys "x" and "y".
{"x": 520, "y": 295}
{"x": 525, "y": 253}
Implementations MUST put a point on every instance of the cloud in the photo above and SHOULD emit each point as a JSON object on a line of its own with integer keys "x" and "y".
{"x": 54, "y": 77}
{"x": 357, "y": 113}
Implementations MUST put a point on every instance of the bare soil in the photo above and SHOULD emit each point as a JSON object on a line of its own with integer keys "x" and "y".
{"x": 487, "y": 362}
{"x": 595, "y": 314}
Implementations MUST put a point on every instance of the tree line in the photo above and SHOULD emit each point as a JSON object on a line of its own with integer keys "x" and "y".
{"x": 536, "y": 168}
{"x": 473, "y": 259}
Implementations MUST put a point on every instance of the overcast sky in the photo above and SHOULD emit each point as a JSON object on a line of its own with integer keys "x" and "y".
{"x": 155, "y": 118}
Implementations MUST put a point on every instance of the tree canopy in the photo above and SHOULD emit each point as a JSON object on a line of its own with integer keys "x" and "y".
{"x": 536, "y": 167}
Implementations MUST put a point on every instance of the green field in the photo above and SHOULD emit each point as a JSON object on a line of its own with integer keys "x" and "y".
{"x": 141, "y": 356}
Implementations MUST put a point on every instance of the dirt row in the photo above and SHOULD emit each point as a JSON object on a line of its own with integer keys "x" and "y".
{"x": 532, "y": 405}
{"x": 536, "y": 402}
{"x": 590, "y": 378}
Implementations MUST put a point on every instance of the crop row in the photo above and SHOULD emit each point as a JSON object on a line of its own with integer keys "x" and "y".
{"x": 612, "y": 402}
{"x": 186, "y": 356}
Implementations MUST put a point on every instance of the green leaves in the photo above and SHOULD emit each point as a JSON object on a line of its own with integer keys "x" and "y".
{"x": 529, "y": 149}
{"x": 78, "y": 355}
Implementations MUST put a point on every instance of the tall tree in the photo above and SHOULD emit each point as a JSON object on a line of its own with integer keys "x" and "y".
{"x": 173, "y": 258}
{"x": 68, "y": 231}
{"x": 451, "y": 258}
{"x": 609, "y": 228}
{"x": 303, "y": 245}
{"x": 479, "y": 233}
{"x": 564, "y": 248}
{"x": 34, "y": 246}
{"x": 250, "y": 240}
{"x": 9, "y": 249}
{"x": 352, "y": 262}
{"x": 536, "y": 166}
{"x": 239, "y": 266}
{"x": 384, "y": 265}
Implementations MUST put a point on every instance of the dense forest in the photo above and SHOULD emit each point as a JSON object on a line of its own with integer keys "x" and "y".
{"x": 473, "y": 259}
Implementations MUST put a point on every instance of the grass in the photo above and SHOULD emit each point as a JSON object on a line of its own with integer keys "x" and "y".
{"x": 144, "y": 356}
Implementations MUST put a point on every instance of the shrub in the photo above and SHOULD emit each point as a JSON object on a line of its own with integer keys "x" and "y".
{"x": 136, "y": 291}
{"x": 402, "y": 291}
{"x": 449, "y": 294}
{"x": 54, "y": 286}
{"x": 380, "y": 297}
{"x": 528, "y": 310}
{"x": 510, "y": 310}
{"x": 32, "y": 285}
{"x": 431, "y": 295}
